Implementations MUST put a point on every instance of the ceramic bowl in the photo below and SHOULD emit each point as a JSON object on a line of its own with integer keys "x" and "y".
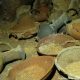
{"x": 34, "y": 68}
{"x": 65, "y": 58}
{"x": 52, "y": 44}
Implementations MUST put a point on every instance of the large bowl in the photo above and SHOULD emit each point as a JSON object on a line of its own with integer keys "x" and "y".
{"x": 65, "y": 58}
{"x": 55, "y": 43}
{"x": 35, "y": 68}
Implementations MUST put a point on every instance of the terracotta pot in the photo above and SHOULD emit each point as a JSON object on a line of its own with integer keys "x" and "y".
{"x": 58, "y": 42}
{"x": 25, "y": 27}
{"x": 42, "y": 13}
{"x": 35, "y": 63}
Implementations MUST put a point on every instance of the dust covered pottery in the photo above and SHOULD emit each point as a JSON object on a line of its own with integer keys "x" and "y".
{"x": 68, "y": 62}
{"x": 25, "y": 27}
{"x": 35, "y": 68}
{"x": 73, "y": 29}
{"x": 52, "y": 44}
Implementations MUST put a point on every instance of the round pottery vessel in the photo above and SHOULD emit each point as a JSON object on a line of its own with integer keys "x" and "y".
{"x": 56, "y": 42}
{"x": 41, "y": 64}
{"x": 66, "y": 57}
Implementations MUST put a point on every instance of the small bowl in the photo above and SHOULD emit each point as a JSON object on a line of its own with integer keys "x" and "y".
{"x": 35, "y": 68}
{"x": 58, "y": 42}
{"x": 73, "y": 29}
{"x": 66, "y": 57}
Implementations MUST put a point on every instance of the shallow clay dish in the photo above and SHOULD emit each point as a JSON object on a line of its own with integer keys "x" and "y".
{"x": 73, "y": 29}
{"x": 52, "y": 44}
{"x": 35, "y": 68}
{"x": 24, "y": 28}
